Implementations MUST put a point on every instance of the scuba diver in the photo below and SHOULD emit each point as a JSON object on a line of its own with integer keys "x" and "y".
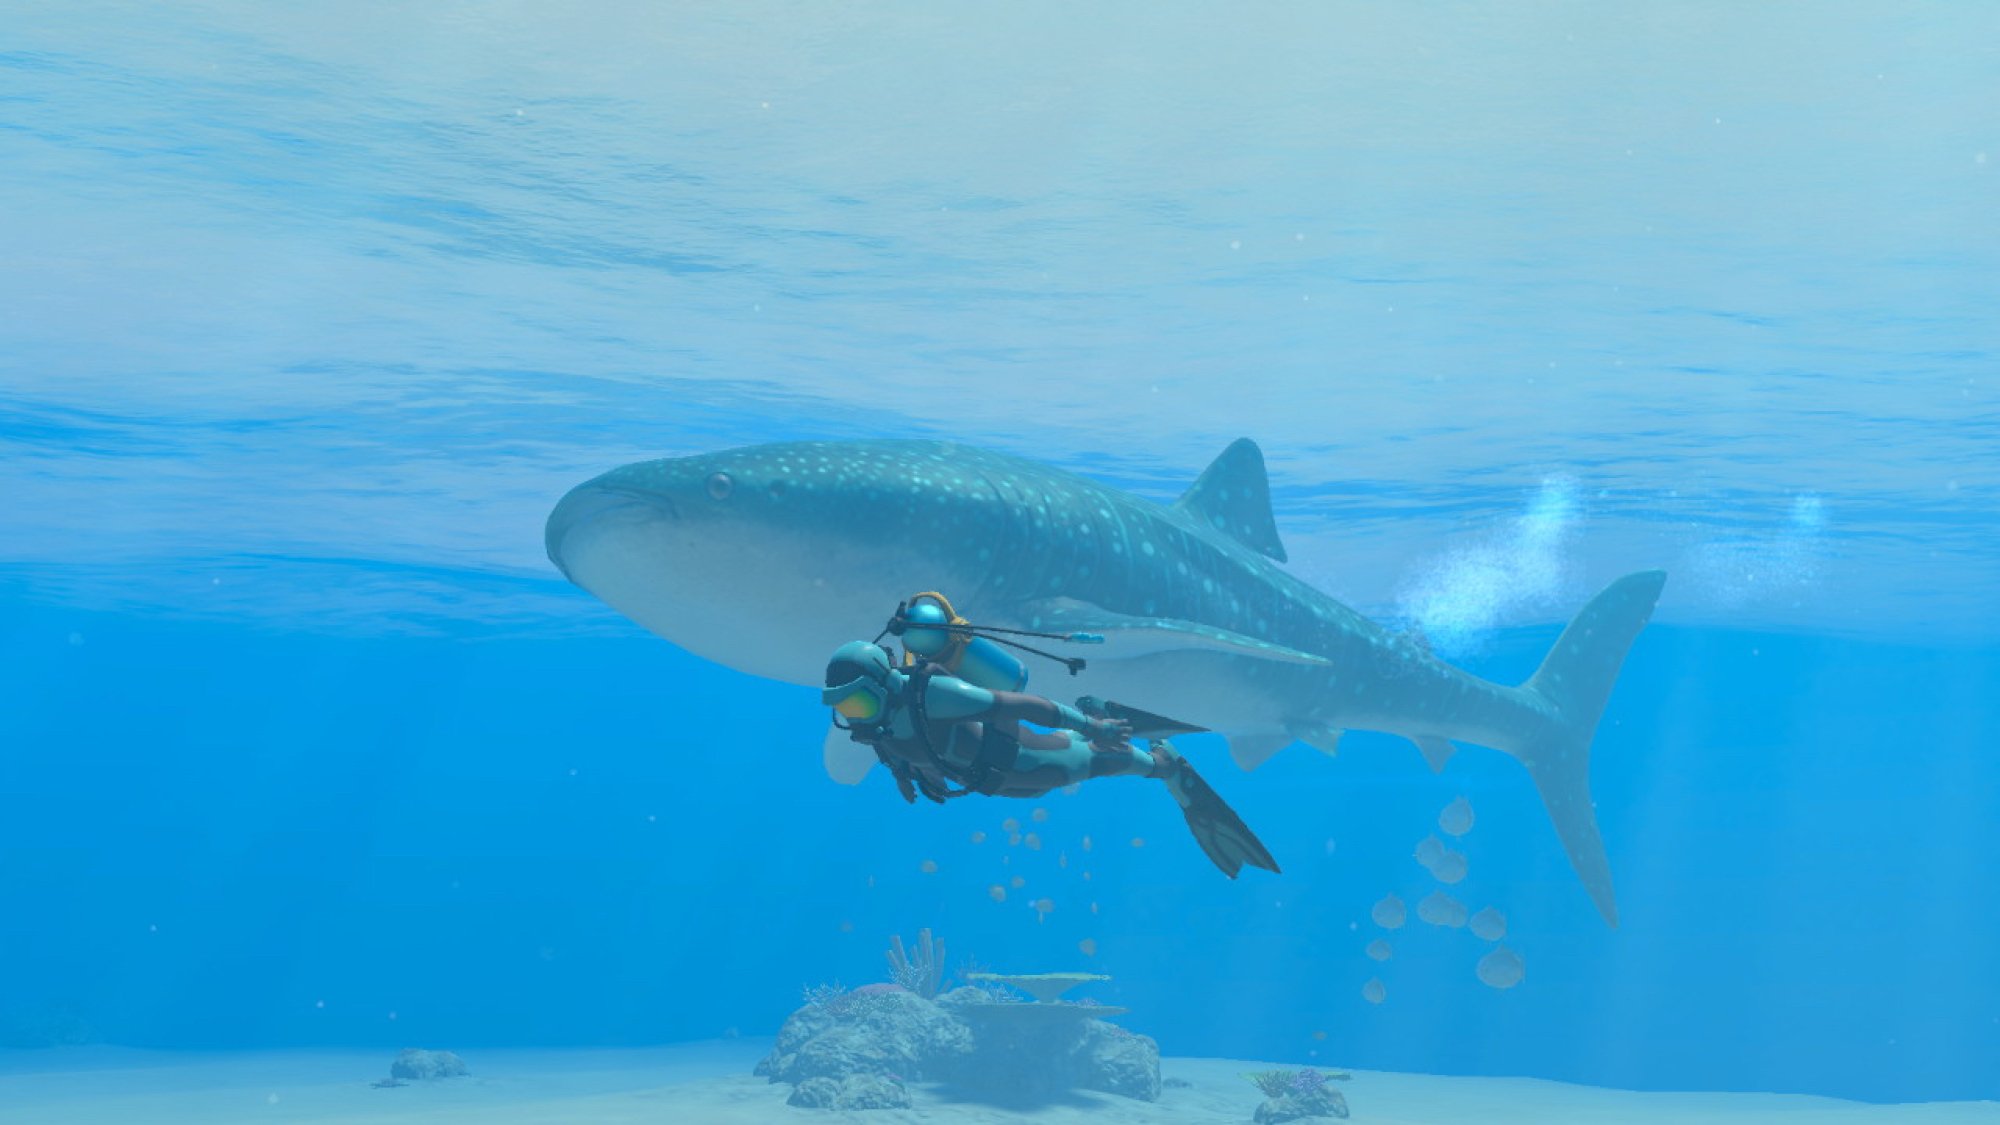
{"x": 950, "y": 712}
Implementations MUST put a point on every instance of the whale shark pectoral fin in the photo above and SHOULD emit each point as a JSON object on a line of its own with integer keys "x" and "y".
{"x": 1319, "y": 736}
{"x": 1437, "y": 751}
{"x": 1126, "y": 636}
{"x": 846, "y": 760}
{"x": 1253, "y": 750}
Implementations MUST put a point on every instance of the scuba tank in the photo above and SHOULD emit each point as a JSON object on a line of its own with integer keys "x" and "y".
{"x": 932, "y": 630}
{"x": 970, "y": 657}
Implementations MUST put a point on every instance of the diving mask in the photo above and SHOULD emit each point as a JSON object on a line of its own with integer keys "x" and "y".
{"x": 860, "y": 699}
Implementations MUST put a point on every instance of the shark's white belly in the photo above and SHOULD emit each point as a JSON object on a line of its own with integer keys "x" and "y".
{"x": 1202, "y": 689}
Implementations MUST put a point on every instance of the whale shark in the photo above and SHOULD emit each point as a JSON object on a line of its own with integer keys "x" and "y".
{"x": 768, "y": 557}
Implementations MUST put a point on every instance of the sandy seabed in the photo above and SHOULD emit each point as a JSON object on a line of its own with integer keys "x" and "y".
{"x": 703, "y": 1083}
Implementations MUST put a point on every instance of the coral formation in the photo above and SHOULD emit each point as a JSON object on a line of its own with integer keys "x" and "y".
{"x": 1026, "y": 1051}
{"x": 1117, "y": 1061}
{"x": 423, "y": 1065}
{"x": 861, "y": 1046}
{"x": 856, "y": 1091}
{"x": 1298, "y": 1095}
{"x": 892, "y": 1031}
{"x": 922, "y": 974}
{"x": 1046, "y": 988}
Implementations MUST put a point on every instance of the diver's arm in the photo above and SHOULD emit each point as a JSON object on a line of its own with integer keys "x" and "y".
{"x": 1020, "y": 707}
{"x": 951, "y": 699}
{"x": 1014, "y": 706}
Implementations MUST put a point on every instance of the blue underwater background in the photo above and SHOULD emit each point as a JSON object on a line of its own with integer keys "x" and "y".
{"x": 309, "y": 315}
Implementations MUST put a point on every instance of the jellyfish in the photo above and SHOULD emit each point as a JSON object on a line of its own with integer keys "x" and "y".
{"x": 1034, "y": 841}
{"x": 1456, "y": 819}
{"x": 1018, "y": 882}
{"x": 928, "y": 867}
{"x": 1450, "y": 867}
{"x": 1378, "y": 950}
{"x": 1501, "y": 968}
{"x": 1430, "y": 850}
{"x": 1390, "y": 913}
{"x": 1088, "y": 947}
{"x": 1440, "y": 909}
{"x": 1010, "y": 825}
{"x": 1489, "y": 924}
{"x": 1374, "y": 991}
{"x": 979, "y": 837}
{"x": 1039, "y": 815}
{"x": 997, "y": 893}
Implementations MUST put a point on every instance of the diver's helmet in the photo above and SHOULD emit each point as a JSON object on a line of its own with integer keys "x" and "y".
{"x": 970, "y": 657}
{"x": 859, "y": 681}
{"x": 924, "y": 629}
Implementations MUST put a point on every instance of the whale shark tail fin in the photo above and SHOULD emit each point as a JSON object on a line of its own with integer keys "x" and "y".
{"x": 1575, "y": 682}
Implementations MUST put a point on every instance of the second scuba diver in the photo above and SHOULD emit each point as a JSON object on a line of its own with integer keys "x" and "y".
{"x": 941, "y": 717}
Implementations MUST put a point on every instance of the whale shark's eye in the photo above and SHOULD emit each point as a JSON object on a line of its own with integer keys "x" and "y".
{"x": 720, "y": 486}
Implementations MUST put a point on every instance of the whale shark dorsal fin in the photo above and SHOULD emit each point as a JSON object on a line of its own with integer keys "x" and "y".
{"x": 1233, "y": 496}
{"x": 1253, "y": 750}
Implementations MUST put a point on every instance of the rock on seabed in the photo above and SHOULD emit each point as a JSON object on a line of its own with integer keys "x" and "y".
{"x": 426, "y": 1065}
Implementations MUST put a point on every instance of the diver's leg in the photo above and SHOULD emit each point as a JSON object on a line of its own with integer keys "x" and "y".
{"x": 1034, "y": 739}
{"x": 1167, "y": 761}
{"x": 1044, "y": 768}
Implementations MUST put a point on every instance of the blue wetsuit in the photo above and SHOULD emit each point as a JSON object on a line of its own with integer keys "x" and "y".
{"x": 971, "y": 735}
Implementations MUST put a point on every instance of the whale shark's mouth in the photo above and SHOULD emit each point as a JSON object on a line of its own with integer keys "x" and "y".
{"x": 591, "y": 506}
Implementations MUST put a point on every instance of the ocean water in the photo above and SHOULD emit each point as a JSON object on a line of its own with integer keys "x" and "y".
{"x": 308, "y": 316}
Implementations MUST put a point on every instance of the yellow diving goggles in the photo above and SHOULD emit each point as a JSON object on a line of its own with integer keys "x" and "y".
{"x": 860, "y": 699}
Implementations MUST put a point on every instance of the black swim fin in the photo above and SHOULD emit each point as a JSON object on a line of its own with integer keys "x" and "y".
{"x": 1216, "y": 827}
